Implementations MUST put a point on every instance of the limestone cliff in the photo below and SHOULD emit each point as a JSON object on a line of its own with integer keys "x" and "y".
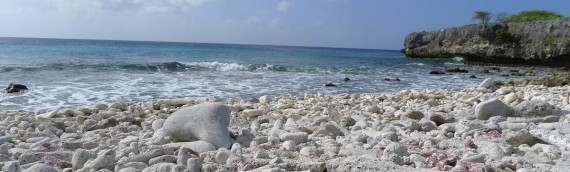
{"x": 535, "y": 43}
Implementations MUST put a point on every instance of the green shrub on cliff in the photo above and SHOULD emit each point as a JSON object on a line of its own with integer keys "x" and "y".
{"x": 534, "y": 15}
{"x": 548, "y": 40}
{"x": 504, "y": 36}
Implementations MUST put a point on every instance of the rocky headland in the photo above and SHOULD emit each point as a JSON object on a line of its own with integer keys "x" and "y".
{"x": 544, "y": 43}
{"x": 487, "y": 128}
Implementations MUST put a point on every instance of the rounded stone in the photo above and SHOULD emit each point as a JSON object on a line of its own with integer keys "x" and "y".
{"x": 193, "y": 165}
{"x": 536, "y": 108}
{"x": 11, "y": 166}
{"x": 490, "y": 108}
{"x": 300, "y": 137}
{"x": 40, "y": 168}
{"x": 207, "y": 122}
{"x": 79, "y": 158}
{"x": 417, "y": 115}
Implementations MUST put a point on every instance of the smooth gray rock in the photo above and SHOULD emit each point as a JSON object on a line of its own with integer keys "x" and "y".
{"x": 5, "y": 139}
{"x": 160, "y": 167}
{"x": 519, "y": 137}
{"x": 417, "y": 115}
{"x": 206, "y": 121}
{"x": 103, "y": 159}
{"x": 193, "y": 165}
{"x": 365, "y": 163}
{"x": 298, "y": 138}
{"x": 197, "y": 146}
{"x": 79, "y": 158}
{"x": 490, "y": 108}
{"x": 11, "y": 166}
{"x": 397, "y": 149}
{"x": 536, "y": 108}
{"x": 222, "y": 156}
{"x": 40, "y": 168}
{"x": 163, "y": 159}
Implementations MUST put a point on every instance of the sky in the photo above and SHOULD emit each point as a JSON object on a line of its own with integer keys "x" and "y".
{"x": 370, "y": 24}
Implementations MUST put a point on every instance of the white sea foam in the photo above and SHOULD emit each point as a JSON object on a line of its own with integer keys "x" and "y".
{"x": 218, "y": 66}
{"x": 416, "y": 64}
{"x": 458, "y": 59}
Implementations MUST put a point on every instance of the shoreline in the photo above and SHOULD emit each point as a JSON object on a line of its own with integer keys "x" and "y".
{"x": 408, "y": 130}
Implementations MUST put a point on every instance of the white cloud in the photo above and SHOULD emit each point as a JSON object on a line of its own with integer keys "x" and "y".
{"x": 284, "y": 6}
{"x": 145, "y": 6}
{"x": 253, "y": 20}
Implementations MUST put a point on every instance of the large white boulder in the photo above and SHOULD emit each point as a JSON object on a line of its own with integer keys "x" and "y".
{"x": 491, "y": 108}
{"x": 207, "y": 122}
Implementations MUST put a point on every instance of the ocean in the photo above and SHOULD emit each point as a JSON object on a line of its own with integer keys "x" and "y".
{"x": 70, "y": 73}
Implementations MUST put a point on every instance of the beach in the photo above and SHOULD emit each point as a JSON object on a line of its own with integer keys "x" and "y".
{"x": 276, "y": 86}
{"x": 485, "y": 128}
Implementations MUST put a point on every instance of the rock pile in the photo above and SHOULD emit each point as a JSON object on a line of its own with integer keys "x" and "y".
{"x": 476, "y": 129}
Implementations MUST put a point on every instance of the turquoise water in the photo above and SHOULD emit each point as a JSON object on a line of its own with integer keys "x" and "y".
{"x": 67, "y": 73}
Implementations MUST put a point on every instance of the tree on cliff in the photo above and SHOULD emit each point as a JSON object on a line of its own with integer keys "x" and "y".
{"x": 534, "y": 15}
{"x": 483, "y": 16}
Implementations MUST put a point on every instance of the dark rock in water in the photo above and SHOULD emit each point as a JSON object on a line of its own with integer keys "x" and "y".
{"x": 472, "y": 76}
{"x": 496, "y": 68}
{"x": 484, "y": 70}
{"x": 14, "y": 88}
{"x": 517, "y": 74}
{"x": 387, "y": 79}
{"x": 505, "y": 75}
{"x": 457, "y": 70}
{"x": 330, "y": 85}
{"x": 437, "y": 72}
{"x": 346, "y": 79}
{"x": 397, "y": 79}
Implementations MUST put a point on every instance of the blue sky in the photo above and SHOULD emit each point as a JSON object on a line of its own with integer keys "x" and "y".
{"x": 376, "y": 24}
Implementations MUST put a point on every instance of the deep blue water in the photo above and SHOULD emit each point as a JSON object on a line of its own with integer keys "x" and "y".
{"x": 67, "y": 73}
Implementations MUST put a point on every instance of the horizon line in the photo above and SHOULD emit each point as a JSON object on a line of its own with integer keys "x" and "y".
{"x": 183, "y": 42}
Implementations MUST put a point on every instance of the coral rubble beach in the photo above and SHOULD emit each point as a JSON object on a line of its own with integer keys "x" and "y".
{"x": 488, "y": 128}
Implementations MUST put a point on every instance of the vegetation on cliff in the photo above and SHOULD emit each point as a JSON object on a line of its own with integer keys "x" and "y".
{"x": 484, "y": 17}
{"x": 534, "y": 15}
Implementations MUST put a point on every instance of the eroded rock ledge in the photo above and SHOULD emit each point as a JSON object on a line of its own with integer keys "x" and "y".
{"x": 545, "y": 43}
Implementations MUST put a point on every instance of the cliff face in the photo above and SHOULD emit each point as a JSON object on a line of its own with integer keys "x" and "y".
{"x": 535, "y": 43}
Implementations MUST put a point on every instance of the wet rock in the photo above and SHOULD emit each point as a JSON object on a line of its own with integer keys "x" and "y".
{"x": 330, "y": 85}
{"x": 437, "y": 72}
{"x": 456, "y": 70}
{"x": 15, "y": 88}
